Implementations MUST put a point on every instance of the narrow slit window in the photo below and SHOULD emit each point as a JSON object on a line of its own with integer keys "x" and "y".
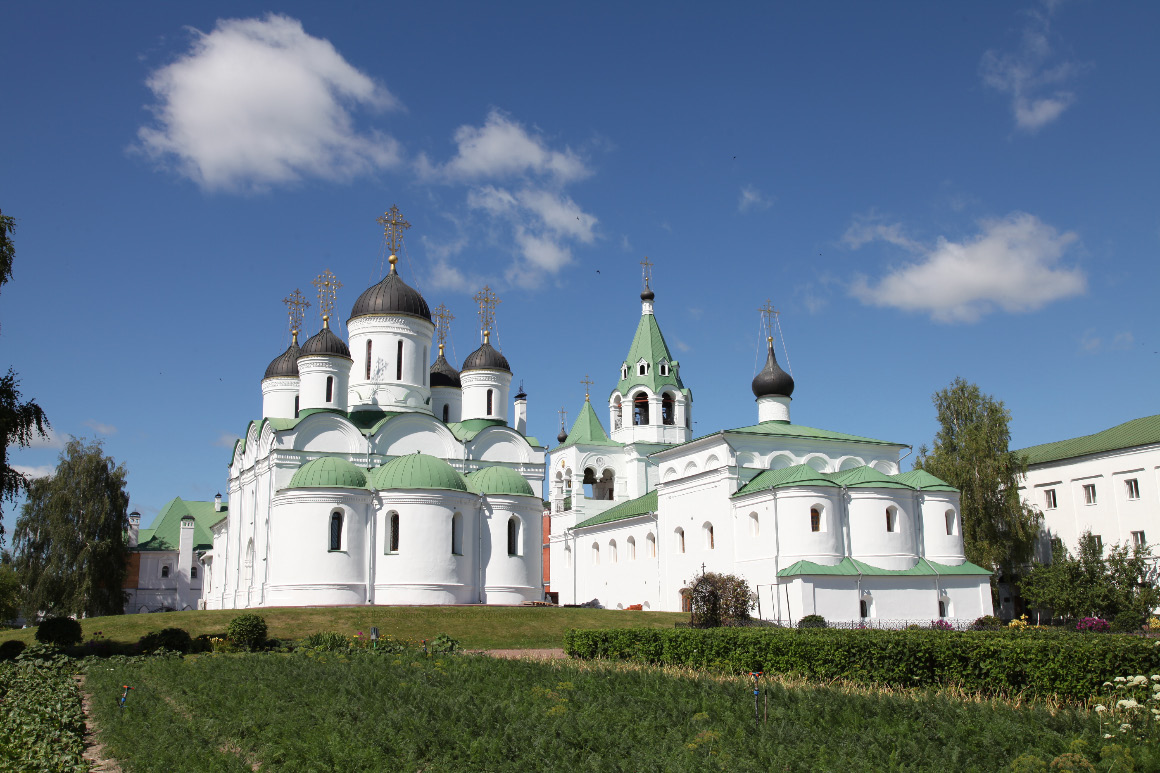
{"x": 950, "y": 522}
{"x": 668, "y": 414}
{"x": 890, "y": 519}
{"x": 815, "y": 520}
{"x": 164, "y": 572}
{"x": 394, "y": 543}
{"x": 457, "y": 534}
{"x": 446, "y": 413}
{"x": 1133, "y": 486}
{"x": 329, "y": 388}
{"x": 296, "y": 406}
{"x": 336, "y": 531}
{"x": 489, "y": 402}
{"x": 368, "y": 360}
{"x": 399, "y": 364}
{"x": 193, "y": 572}
{"x": 513, "y": 536}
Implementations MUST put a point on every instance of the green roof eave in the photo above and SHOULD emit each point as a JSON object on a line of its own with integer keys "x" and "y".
{"x": 1138, "y": 432}
{"x": 642, "y": 505}
{"x": 868, "y": 477}
{"x": 924, "y": 481}
{"x": 784, "y": 429}
{"x": 467, "y": 430}
{"x": 797, "y": 476}
{"x": 849, "y": 567}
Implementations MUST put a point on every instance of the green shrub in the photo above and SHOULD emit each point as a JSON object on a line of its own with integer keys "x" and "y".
{"x": 247, "y": 631}
{"x": 812, "y": 621}
{"x": 986, "y": 623}
{"x": 1128, "y": 622}
{"x": 443, "y": 644}
{"x": 61, "y": 631}
{"x": 175, "y": 639}
{"x": 995, "y": 662}
{"x": 10, "y": 649}
{"x": 327, "y": 641}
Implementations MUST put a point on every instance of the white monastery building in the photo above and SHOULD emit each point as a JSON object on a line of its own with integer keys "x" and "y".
{"x": 376, "y": 477}
{"x": 165, "y": 571}
{"x": 817, "y": 522}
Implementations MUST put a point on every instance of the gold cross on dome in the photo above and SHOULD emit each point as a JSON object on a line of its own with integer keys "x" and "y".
{"x": 768, "y": 317}
{"x": 296, "y": 305}
{"x": 442, "y": 317}
{"x": 563, "y": 417}
{"x": 587, "y": 382}
{"x": 646, "y": 270}
{"x": 393, "y": 227}
{"x": 327, "y": 285}
{"x": 487, "y": 301}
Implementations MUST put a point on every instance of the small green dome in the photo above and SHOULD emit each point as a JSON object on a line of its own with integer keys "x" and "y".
{"x": 498, "y": 480}
{"x": 329, "y": 472}
{"x": 417, "y": 471}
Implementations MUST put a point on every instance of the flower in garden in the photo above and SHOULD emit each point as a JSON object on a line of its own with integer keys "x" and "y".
{"x": 1101, "y": 708}
{"x": 1121, "y": 679}
{"x": 1127, "y": 703}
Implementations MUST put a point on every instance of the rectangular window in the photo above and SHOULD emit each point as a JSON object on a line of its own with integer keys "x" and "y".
{"x": 1049, "y": 499}
{"x": 1089, "y": 493}
{"x": 1133, "y": 486}
{"x": 1099, "y": 541}
{"x": 1138, "y": 539}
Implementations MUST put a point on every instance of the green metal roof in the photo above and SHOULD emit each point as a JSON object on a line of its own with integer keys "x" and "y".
{"x": 417, "y": 471}
{"x": 1138, "y": 432}
{"x": 849, "y": 567}
{"x": 498, "y": 480}
{"x": 165, "y": 534}
{"x": 923, "y": 481}
{"x": 466, "y": 430}
{"x": 649, "y": 345}
{"x": 867, "y": 477}
{"x": 798, "y": 475}
{"x": 785, "y": 429}
{"x": 587, "y": 430}
{"x": 329, "y": 472}
{"x": 639, "y": 506}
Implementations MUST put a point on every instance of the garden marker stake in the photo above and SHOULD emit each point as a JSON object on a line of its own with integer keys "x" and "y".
{"x": 756, "y": 692}
{"x": 121, "y": 703}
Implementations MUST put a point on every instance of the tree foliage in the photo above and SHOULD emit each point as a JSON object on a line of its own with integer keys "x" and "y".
{"x": 9, "y": 593}
{"x": 19, "y": 420}
{"x": 1092, "y": 584}
{"x": 971, "y": 453}
{"x": 719, "y": 599}
{"x": 69, "y": 541}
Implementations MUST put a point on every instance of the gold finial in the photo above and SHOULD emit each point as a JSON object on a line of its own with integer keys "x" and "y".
{"x": 486, "y": 336}
{"x": 487, "y": 301}
{"x": 442, "y": 317}
{"x": 393, "y": 227}
{"x": 294, "y": 333}
{"x": 440, "y": 350}
{"x": 587, "y": 382}
{"x": 296, "y": 305}
{"x": 327, "y": 285}
{"x": 769, "y": 318}
{"x": 326, "y": 321}
{"x": 646, "y": 270}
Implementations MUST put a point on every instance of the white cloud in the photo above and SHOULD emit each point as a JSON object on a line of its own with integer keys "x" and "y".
{"x": 1124, "y": 340}
{"x": 1010, "y": 265}
{"x": 36, "y": 471}
{"x": 870, "y": 228}
{"x": 1034, "y": 85}
{"x": 752, "y": 200}
{"x": 681, "y": 345}
{"x": 259, "y": 102}
{"x": 101, "y": 429}
{"x": 53, "y": 439}
{"x": 226, "y": 440}
{"x": 1089, "y": 342}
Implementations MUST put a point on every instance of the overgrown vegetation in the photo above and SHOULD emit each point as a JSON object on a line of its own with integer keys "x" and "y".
{"x": 1031, "y": 661}
{"x": 719, "y": 599}
{"x": 42, "y": 724}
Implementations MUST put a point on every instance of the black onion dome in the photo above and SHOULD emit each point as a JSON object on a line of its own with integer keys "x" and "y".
{"x": 562, "y": 436}
{"x": 326, "y": 343}
{"x": 772, "y": 380}
{"x": 647, "y": 295}
{"x": 285, "y": 365}
{"x": 486, "y": 357}
{"x": 391, "y": 296}
{"x": 443, "y": 375}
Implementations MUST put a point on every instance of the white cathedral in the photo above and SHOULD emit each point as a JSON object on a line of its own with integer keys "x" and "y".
{"x": 375, "y": 477}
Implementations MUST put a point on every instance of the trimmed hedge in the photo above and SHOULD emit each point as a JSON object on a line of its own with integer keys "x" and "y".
{"x": 1072, "y": 666}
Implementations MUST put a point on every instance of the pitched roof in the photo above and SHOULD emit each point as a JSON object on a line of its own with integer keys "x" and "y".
{"x": 587, "y": 430}
{"x": 649, "y": 345}
{"x": 852, "y": 566}
{"x": 1138, "y": 432}
{"x": 165, "y": 534}
{"x": 785, "y": 429}
{"x": 639, "y": 506}
{"x": 867, "y": 477}
{"x": 798, "y": 475}
{"x": 858, "y": 477}
{"x": 923, "y": 481}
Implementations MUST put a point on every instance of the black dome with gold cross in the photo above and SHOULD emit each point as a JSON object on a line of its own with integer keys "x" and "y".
{"x": 392, "y": 295}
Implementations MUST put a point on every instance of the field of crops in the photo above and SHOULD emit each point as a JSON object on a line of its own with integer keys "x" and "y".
{"x": 354, "y": 712}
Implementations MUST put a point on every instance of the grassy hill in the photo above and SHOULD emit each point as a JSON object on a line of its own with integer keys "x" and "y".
{"x": 477, "y": 627}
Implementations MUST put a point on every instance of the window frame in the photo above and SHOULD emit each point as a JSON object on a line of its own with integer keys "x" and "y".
{"x": 1133, "y": 488}
{"x": 1089, "y": 494}
{"x": 333, "y": 536}
{"x": 1050, "y": 500}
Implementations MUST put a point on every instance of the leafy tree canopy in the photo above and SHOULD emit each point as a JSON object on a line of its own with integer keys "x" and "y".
{"x": 719, "y": 599}
{"x": 71, "y": 554}
{"x": 971, "y": 453}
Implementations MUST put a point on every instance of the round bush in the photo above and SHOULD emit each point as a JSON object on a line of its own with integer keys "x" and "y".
{"x": 1127, "y": 622}
{"x": 176, "y": 639}
{"x": 10, "y": 649}
{"x": 812, "y": 621}
{"x": 986, "y": 623}
{"x": 247, "y": 631}
{"x": 61, "y": 631}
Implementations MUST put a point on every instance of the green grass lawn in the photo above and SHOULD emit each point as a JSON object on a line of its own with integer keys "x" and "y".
{"x": 357, "y": 712}
{"x": 476, "y": 627}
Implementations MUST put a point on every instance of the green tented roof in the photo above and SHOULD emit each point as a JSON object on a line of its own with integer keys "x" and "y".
{"x": 849, "y": 567}
{"x": 639, "y": 506}
{"x": 165, "y": 534}
{"x": 1138, "y": 432}
{"x": 587, "y": 430}
{"x": 329, "y": 472}
{"x": 867, "y": 477}
{"x": 498, "y": 480}
{"x": 649, "y": 345}
{"x": 923, "y": 481}
{"x": 798, "y": 475}
{"x": 417, "y": 471}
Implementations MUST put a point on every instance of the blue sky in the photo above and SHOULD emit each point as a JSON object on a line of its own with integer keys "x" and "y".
{"x": 925, "y": 190}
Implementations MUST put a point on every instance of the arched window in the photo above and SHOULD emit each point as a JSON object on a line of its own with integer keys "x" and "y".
{"x": 630, "y": 545}
{"x": 426, "y": 373}
{"x": 612, "y": 551}
{"x": 296, "y": 406}
{"x": 664, "y": 368}
{"x": 368, "y": 359}
{"x": 446, "y": 413}
{"x": 815, "y": 519}
{"x": 336, "y": 531}
{"x": 754, "y": 525}
{"x": 513, "y": 536}
{"x": 942, "y": 608}
{"x": 680, "y": 540}
{"x": 891, "y": 518}
{"x": 329, "y": 388}
{"x": 950, "y": 515}
{"x": 393, "y": 534}
{"x": 668, "y": 415}
{"x": 863, "y": 608}
{"x": 193, "y": 572}
{"x": 595, "y": 553}
{"x": 489, "y": 395}
{"x": 709, "y": 542}
{"x": 164, "y": 571}
{"x": 651, "y": 541}
{"x": 624, "y": 371}
{"x": 457, "y": 534}
{"x": 399, "y": 364}
{"x": 640, "y": 409}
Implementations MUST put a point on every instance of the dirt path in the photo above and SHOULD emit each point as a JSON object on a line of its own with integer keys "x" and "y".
{"x": 94, "y": 751}
{"x": 555, "y": 653}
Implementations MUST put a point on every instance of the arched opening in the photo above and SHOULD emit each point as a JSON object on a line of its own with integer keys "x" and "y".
{"x": 393, "y": 533}
{"x": 457, "y": 534}
{"x": 590, "y": 482}
{"x": 329, "y": 389}
{"x": 399, "y": 363}
{"x": 513, "y": 536}
{"x": 950, "y": 516}
{"x": 446, "y": 413}
{"x": 617, "y": 416}
{"x": 193, "y": 572}
{"x": 165, "y": 571}
{"x": 710, "y": 542}
{"x": 612, "y": 551}
{"x": 754, "y": 525}
{"x": 596, "y": 553}
{"x": 679, "y": 536}
{"x": 368, "y": 359}
{"x": 489, "y": 400}
{"x": 815, "y": 519}
{"x": 630, "y": 547}
{"x": 668, "y": 412}
{"x": 866, "y": 606}
{"x": 640, "y": 409}
{"x": 891, "y": 519}
{"x": 944, "y": 607}
{"x": 336, "y": 530}
{"x": 651, "y": 543}
{"x": 605, "y": 488}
